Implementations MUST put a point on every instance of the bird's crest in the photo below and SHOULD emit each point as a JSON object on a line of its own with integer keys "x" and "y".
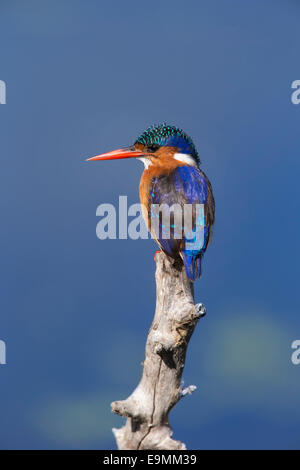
{"x": 163, "y": 134}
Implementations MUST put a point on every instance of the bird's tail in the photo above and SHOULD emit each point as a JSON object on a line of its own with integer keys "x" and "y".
{"x": 192, "y": 265}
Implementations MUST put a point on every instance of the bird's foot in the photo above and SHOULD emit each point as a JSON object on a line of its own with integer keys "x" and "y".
{"x": 157, "y": 251}
{"x": 201, "y": 310}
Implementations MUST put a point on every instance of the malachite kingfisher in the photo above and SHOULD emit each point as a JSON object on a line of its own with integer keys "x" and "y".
{"x": 171, "y": 176}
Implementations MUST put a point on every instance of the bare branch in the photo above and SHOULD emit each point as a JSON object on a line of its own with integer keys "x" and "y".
{"x": 147, "y": 408}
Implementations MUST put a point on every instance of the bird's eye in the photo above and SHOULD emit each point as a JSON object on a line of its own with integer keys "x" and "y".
{"x": 153, "y": 147}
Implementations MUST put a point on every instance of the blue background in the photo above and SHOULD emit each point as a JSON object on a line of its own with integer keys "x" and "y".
{"x": 84, "y": 77}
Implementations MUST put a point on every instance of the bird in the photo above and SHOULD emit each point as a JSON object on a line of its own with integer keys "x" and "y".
{"x": 172, "y": 176}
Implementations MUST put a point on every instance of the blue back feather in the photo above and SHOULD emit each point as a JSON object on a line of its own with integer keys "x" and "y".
{"x": 185, "y": 185}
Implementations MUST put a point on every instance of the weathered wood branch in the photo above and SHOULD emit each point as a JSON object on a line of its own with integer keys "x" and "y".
{"x": 160, "y": 388}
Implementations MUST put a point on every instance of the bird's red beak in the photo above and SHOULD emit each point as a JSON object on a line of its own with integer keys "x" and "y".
{"x": 128, "y": 152}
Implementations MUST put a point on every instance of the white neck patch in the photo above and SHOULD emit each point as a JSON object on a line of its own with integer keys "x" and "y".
{"x": 185, "y": 158}
{"x": 147, "y": 162}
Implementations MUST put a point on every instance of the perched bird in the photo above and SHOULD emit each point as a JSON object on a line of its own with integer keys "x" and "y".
{"x": 172, "y": 176}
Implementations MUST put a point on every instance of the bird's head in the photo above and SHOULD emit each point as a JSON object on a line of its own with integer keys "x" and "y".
{"x": 155, "y": 144}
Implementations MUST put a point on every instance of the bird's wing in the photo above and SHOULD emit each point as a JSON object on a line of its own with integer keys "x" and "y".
{"x": 184, "y": 185}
